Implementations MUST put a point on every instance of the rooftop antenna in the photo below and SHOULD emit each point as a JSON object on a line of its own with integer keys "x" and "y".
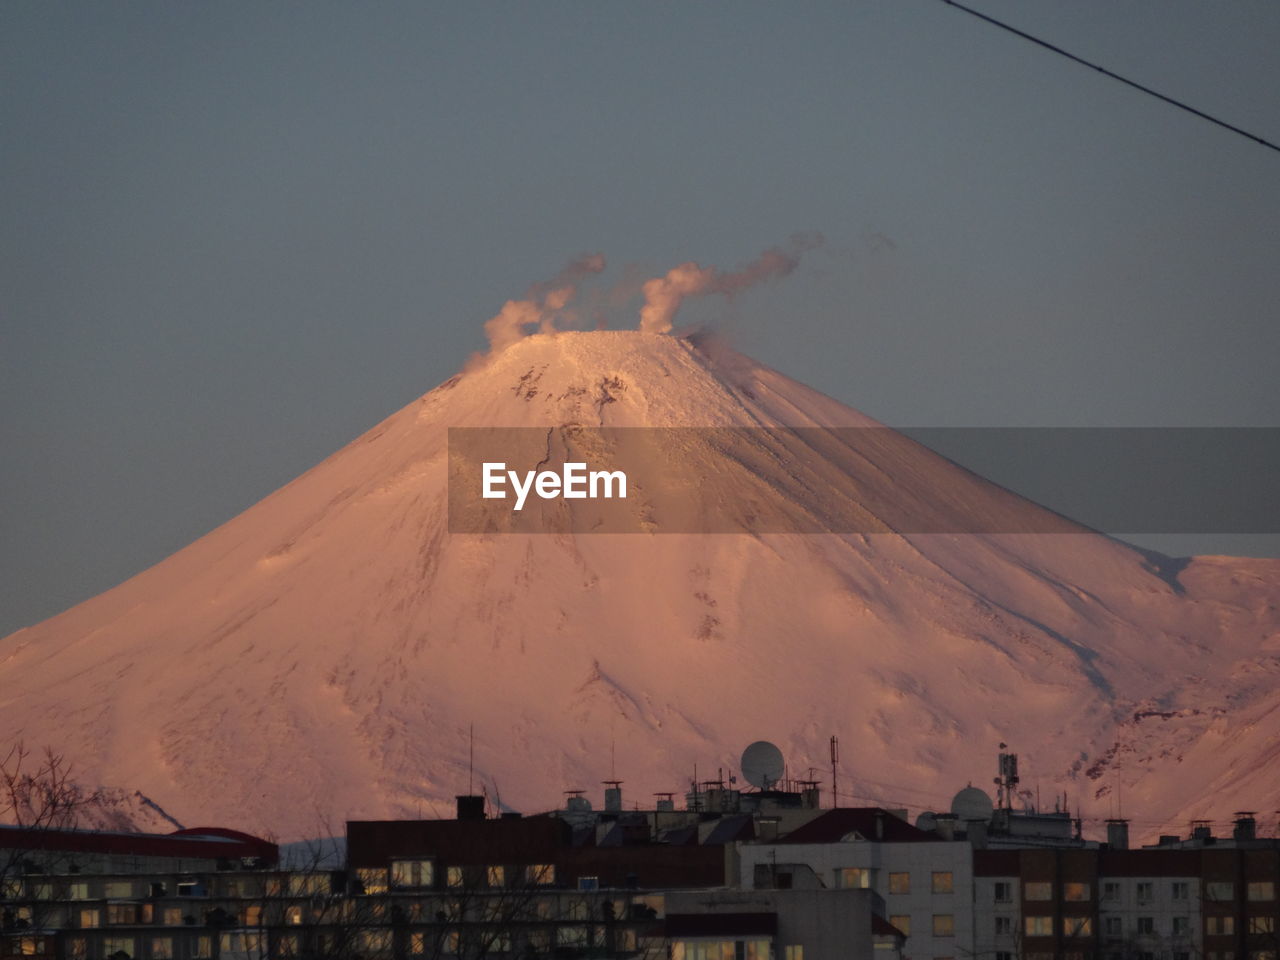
{"x": 835, "y": 757}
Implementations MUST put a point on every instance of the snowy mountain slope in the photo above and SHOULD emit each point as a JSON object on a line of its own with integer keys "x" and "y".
{"x": 322, "y": 655}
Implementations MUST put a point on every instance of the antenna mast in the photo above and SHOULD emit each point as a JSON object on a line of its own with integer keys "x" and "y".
{"x": 835, "y": 757}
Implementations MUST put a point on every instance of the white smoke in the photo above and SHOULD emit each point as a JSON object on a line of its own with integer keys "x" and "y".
{"x": 541, "y": 305}
{"x": 664, "y": 295}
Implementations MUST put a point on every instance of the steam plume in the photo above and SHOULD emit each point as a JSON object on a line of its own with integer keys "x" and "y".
{"x": 664, "y": 295}
{"x": 540, "y": 304}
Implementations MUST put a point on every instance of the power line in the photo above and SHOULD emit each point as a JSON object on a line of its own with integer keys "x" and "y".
{"x": 1114, "y": 76}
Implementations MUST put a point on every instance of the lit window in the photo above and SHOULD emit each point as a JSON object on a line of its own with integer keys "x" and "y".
{"x": 794, "y": 951}
{"x": 1038, "y": 891}
{"x": 944, "y": 925}
{"x": 375, "y": 940}
{"x": 1262, "y": 924}
{"x": 903, "y": 922}
{"x": 308, "y": 884}
{"x": 1262, "y": 955}
{"x": 899, "y": 883}
{"x": 113, "y": 945}
{"x": 454, "y": 876}
{"x": 540, "y": 873}
{"x": 1039, "y": 926}
{"x": 412, "y": 873}
{"x": 204, "y": 948}
{"x": 253, "y": 915}
{"x": 1075, "y": 892}
{"x": 287, "y": 945}
{"x": 89, "y": 918}
{"x": 118, "y": 889}
{"x": 78, "y": 891}
{"x": 372, "y": 879}
{"x": 858, "y": 878}
{"x": 1220, "y": 926}
{"x": 1077, "y": 926}
{"x": 496, "y": 876}
{"x": 943, "y": 882}
{"x": 161, "y": 948}
{"x": 172, "y": 917}
{"x": 572, "y": 937}
{"x": 77, "y": 948}
{"x": 1265, "y": 890}
{"x": 122, "y": 913}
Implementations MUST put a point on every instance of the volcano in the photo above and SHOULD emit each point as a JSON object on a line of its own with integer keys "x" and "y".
{"x": 335, "y": 652}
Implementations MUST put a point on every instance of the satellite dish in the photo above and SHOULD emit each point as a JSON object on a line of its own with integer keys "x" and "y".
{"x": 972, "y": 804}
{"x": 762, "y": 764}
{"x": 926, "y": 821}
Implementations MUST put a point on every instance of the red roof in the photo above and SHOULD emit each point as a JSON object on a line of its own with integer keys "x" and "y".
{"x": 201, "y": 843}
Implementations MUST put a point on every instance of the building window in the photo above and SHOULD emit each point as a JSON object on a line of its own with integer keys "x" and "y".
{"x": 412, "y": 873}
{"x": 1004, "y": 891}
{"x": 1113, "y": 926}
{"x": 1075, "y": 892}
{"x": 1262, "y": 924}
{"x": 1181, "y": 926}
{"x": 943, "y": 881}
{"x": 372, "y": 879}
{"x": 1039, "y": 926}
{"x": 287, "y": 945}
{"x": 1146, "y": 925}
{"x": 1265, "y": 890}
{"x": 1219, "y": 926}
{"x": 118, "y": 889}
{"x": 1181, "y": 890}
{"x": 1219, "y": 891}
{"x": 1004, "y": 925}
{"x": 113, "y": 945}
{"x": 172, "y": 917}
{"x": 793, "y": 951}
{"x": 1077, "y": 926}
{"x": 1222, "y": 955}
{"x": 1111, "y": 890}
{"x": 89, "y": 918}
{"x": 944, "y": 925}
{"x": 899, "y": 883}
{"x": 1262, "y": 955}
{"x": 1146, "y": 890}
{"x": 496, "y": 876}
{"x": 853, "y": 878}
{"x": 161, "y": 948}
{"x": 122, "y": 913}
{"x": 77, "y": 948}
{"x": 78, "y": 891}
{"x": 454, "y": 877}
{"x": 903, "y": 922}
{"x": 540, "y": 873}
{"x": 1003, "y": 955}
{"x": 1037, "y": 891}
{"x": 204, "y": 948}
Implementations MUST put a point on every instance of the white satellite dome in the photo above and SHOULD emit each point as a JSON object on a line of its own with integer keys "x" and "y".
{"x": 972, "y": 804}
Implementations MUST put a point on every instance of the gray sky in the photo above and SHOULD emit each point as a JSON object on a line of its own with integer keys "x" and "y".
{"x": 236, "y": 235}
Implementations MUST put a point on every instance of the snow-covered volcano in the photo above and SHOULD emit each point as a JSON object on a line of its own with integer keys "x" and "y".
{"x": 324, "y": 654}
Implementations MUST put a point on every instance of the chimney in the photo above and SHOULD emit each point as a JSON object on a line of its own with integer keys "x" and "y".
{"x": 1201, "y": 830}
{"x": 1118, "y": 834}
{"x": 613, "y": 796}
{"x": 1246, "y": 826}
{"x": 470, "y": 807}
{"x": 767, "y": 829}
